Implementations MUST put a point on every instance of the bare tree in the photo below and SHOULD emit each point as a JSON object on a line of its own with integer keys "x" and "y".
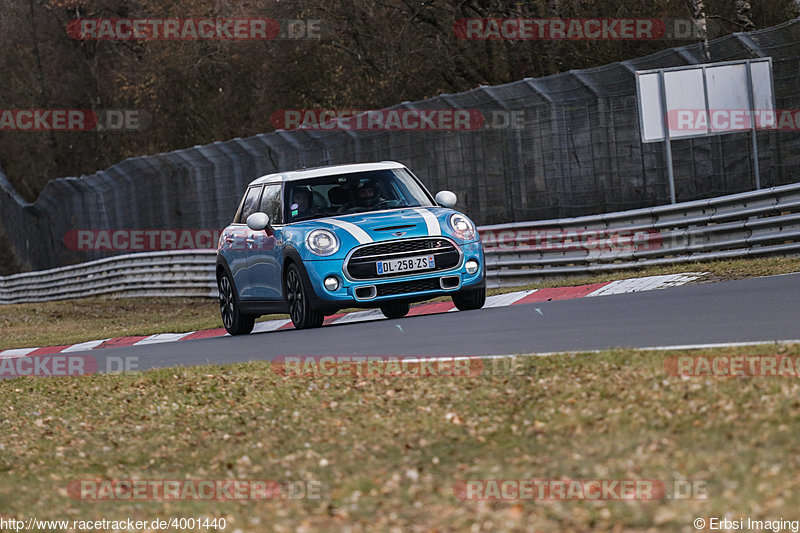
{"x": 372, "y": 54}
{"x": 700, "y": 19}
{"x": 743, "y": 14}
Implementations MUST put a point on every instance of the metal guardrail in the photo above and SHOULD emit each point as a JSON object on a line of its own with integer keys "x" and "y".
{"x": 748, "y": 224}
{"x": 171, "y": 273}
{"x": 740, "y": 225}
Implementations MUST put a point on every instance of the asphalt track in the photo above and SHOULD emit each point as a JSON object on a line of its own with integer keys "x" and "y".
{"x": 759, "y": 309}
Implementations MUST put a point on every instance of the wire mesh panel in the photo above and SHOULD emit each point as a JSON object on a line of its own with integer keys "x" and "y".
{"x": 561, "y": 146}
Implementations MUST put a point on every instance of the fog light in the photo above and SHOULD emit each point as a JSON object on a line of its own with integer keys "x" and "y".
{"x": 471, "y": 266}
{"x": 331, "y": 283}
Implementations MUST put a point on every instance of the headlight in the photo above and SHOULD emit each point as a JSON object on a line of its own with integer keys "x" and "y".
{"x": 322, "y": 242}
{"x": 462, "y": 227}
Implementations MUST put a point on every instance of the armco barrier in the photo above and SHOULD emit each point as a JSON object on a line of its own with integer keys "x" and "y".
{"x": 172, "y": 273}
{"x": 740, "y": 225}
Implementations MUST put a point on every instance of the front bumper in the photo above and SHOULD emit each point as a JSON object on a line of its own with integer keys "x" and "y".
{"x": 415, "y": 286}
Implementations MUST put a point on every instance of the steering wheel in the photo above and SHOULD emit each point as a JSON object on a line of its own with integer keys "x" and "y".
{"x": 381, "y": 203}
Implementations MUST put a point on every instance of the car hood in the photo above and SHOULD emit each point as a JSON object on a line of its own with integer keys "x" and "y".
{"x": 398, "y": 223}
{"x": 377, "y": 226}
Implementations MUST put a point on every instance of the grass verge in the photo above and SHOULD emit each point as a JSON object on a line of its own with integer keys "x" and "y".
{"x": 388, "y": 452}
{"x": 73, "y": 321}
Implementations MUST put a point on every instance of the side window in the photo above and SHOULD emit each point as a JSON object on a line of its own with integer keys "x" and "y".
{"x": 271, "y": 203}
{"x": 250, "y": 204}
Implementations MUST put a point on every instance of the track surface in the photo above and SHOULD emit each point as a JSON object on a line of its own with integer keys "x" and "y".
{"x": 760, "y": 309}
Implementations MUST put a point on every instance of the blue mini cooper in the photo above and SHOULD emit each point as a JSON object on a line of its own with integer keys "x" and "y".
{"x": 314, "y": 241}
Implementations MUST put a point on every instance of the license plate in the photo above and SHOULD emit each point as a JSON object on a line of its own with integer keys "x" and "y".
{"x": 408, "y": 264}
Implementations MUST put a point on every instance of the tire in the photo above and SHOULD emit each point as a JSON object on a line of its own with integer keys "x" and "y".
{"x": 395, "y": 309}
{"x": 469, "y": 299}
{"x": 303, "y": 315}
{"x": 235, "y": 322}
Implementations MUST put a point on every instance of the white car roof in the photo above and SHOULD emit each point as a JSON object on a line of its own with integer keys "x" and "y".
{"x": 330, "y": 170}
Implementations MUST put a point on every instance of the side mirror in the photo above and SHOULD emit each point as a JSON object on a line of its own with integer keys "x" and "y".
{"x": 446, "y": 198}
{"x": 258, "y": 221}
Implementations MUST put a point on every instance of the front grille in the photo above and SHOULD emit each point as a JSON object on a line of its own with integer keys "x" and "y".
{"x": 406, "y": 287}
{"x": 362, "y": 263}
{"x": 401, "y": 246}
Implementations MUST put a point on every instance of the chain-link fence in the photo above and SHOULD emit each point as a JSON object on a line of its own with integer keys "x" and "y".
{"x": 572, "y": 148}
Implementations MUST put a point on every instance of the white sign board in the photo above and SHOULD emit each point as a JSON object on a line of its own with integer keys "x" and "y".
{"x": 708, "y": 99}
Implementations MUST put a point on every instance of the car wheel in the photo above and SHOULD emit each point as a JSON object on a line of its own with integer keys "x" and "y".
{"x": 468, "y": 299}
{"x": 395, "y": 309}
{"x": 303, "y": 315}
{"x": 235, "y": 322}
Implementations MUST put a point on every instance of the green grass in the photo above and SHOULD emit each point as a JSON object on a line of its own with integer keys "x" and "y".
{"x": 73, "y": 321}
{"x": 388, "y": 452}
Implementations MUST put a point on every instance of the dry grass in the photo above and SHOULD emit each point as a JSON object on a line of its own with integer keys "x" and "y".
{"x": 389, "y": 452}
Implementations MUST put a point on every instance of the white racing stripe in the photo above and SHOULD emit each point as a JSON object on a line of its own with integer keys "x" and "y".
{"x": 16, "y": 352}
{"x": 360, "y": 235}
{"x": 84, "y": 346}
{"x": 431, "y": 221}
{"x": 360, "y": 316}
{"x": 502, "y": 300}
{"x": 648, "y": 283}
{"x": 269, "y": 325}
{"x": 162, "y": 337}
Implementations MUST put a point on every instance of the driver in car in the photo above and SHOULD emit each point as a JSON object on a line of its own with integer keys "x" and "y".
{"x": 301, "y": 202}
{"x": 368, "y": 196}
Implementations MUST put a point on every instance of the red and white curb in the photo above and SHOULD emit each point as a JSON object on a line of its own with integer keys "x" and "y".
{"x": 501, "y": 300}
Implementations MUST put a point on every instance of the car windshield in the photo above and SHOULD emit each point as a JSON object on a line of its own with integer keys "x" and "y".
{"x": 353, "y": 193}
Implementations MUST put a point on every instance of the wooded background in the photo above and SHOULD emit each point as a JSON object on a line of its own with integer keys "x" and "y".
{"x": 371, "y": 54}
